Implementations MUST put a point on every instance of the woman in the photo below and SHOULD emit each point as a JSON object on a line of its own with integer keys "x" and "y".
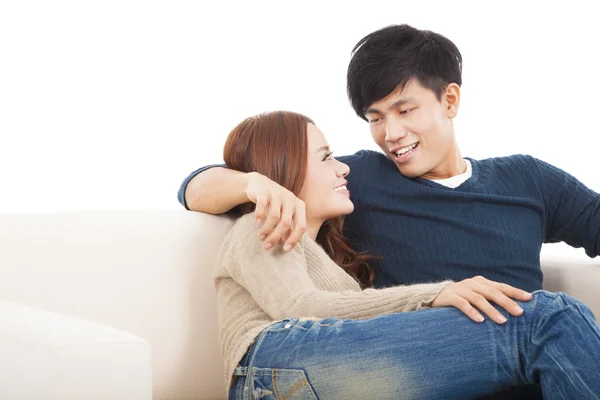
{"x": 302, "y": 324}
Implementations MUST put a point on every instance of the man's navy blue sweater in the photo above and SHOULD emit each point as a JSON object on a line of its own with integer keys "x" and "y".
{"x": 492, "y": 225}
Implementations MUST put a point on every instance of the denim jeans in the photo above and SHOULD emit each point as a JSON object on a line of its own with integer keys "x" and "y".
{"x": 431, "y": 354}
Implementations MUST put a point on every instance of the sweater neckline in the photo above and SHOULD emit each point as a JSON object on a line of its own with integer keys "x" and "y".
{"x": 475, "y": 174}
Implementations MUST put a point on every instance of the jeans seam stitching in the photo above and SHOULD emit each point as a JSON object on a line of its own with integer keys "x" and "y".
{"x": 295, "y": 388}
{"x": 274, "y": 383}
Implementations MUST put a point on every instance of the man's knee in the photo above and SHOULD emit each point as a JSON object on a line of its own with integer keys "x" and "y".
{"x": 559, "y": 301}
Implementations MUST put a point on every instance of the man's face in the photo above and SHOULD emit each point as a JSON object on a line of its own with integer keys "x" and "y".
{"x": 415, "y": 130}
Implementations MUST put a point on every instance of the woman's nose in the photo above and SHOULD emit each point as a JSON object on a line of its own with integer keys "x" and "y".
{"x": 342, "y": 169}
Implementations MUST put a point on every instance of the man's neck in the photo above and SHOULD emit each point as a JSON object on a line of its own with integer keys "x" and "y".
{"x": 453, "y": 165}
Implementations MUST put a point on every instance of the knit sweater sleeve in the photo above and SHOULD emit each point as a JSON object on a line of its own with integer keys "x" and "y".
{"x": 280, "y": 284}
{"x": 572, "y": 209}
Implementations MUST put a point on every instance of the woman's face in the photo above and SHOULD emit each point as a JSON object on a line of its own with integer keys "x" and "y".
{"x": 324, "y": 191}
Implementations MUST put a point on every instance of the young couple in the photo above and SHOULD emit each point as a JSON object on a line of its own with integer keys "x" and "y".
{"x": 306, "y": 314}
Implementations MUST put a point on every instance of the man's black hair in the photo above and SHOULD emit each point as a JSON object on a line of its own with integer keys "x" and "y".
{"x": 394, "y": 55}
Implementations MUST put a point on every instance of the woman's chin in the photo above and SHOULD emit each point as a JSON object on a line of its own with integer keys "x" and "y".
{"x": 338, "y": 209}
{"x": 346, "y": 208}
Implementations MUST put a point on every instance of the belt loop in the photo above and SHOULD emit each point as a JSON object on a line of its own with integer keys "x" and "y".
{"x": 240, "y": 371}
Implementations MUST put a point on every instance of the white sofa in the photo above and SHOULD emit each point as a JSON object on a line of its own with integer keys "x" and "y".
{"x": 141, "y": 280}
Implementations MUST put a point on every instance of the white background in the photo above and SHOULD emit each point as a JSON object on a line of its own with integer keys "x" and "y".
{"x": 110, "y": 104}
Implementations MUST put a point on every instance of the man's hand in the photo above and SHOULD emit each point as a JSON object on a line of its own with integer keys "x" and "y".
{"x": 281, "y": 213}
{"x": 476, "y": 292}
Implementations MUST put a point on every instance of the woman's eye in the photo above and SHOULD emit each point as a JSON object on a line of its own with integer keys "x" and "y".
{"x": 328, "y": 156}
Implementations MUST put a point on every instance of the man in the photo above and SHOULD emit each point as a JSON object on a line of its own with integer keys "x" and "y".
{"x": 443, "y": 216}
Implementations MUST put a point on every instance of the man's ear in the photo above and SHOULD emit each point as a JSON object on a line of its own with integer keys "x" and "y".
{"x": 452, "y": 99}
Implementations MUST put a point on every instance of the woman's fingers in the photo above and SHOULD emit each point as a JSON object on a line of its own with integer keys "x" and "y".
{"x": 475, "y": 296}
{"x": 502, "y": 294}
{"x": 465, "y": 306}
{"x": 262, "y": 200}
{"x": 299, "y": 226}
{"x": 273, "y": 215}
{"x": 512, "y": 291}
{"x": 282, "y": 228}
{"x": 500, "y": 298}
{"x": 480, "y": 301}
{"x": 508, "y": 290}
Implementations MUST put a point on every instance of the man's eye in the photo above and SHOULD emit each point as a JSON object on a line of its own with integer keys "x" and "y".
{"x": 374, "y": 121}
{"x": 404, "y": 112}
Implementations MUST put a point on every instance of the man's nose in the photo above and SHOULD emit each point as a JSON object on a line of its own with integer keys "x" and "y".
{"x": 394, "y": 131}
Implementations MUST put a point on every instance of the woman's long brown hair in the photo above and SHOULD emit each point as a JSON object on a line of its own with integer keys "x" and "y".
{"x": 275, "y": 145}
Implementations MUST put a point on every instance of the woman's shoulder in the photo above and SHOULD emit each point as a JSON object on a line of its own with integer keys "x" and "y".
{"x": 240, "y": 239}
{"x": 242, "y": 244}
{"x": 246, "y": 222}
{"x": 244, "y": 234}
{"x": 243, "y": 228}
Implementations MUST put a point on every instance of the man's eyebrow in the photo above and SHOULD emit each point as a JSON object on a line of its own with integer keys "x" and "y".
{"x": 394, "y": 105}
{"x": 322, "y": 148}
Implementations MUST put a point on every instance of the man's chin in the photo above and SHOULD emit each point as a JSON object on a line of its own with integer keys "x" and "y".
{"x": 410, "y": 169}
{"x": 409, "y": 172}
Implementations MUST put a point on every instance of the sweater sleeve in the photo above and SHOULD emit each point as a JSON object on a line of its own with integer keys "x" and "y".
{"x": 572, "y": 209}
{"x": 279, "y": 282}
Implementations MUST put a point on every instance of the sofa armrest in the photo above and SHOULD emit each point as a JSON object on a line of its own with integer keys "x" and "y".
{"x": 52, "y": 356}
{"x": 573, "y": 273}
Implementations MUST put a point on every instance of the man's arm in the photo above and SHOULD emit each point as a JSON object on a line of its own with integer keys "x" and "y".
{"x": 573, "y": 210}
{"x": 217, "y": 189}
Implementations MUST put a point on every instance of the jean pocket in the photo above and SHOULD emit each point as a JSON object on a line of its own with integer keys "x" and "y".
{"x": 281, "y": 384}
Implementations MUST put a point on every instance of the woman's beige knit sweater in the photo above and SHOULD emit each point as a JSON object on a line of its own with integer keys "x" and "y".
{"x": 256, "y": 287}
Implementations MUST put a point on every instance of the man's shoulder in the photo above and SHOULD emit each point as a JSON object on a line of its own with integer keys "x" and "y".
{"x": 506, "y": 161}
{"x": 362, "y": 157}
{"x": 515, "y": 169}
{"x": 511, "y": 164}
{"x": 368, "y": 160}
{"x": 368, "y": 166}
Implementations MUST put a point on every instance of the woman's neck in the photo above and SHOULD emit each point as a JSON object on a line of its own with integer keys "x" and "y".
{"x": 313, "y": 228}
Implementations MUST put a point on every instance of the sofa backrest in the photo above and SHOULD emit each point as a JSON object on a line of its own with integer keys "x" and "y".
{"x": 145, "y": 272}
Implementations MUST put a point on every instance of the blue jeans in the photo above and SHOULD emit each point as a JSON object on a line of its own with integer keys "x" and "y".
{"x": 431, "y": 354}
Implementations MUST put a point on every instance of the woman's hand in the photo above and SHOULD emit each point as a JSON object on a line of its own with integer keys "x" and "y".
{"x": 475, "y": 292}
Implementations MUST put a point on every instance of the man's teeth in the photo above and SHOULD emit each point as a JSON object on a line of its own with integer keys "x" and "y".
{"x": 340, "y": 188}
{"x": 405, "y": 149}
